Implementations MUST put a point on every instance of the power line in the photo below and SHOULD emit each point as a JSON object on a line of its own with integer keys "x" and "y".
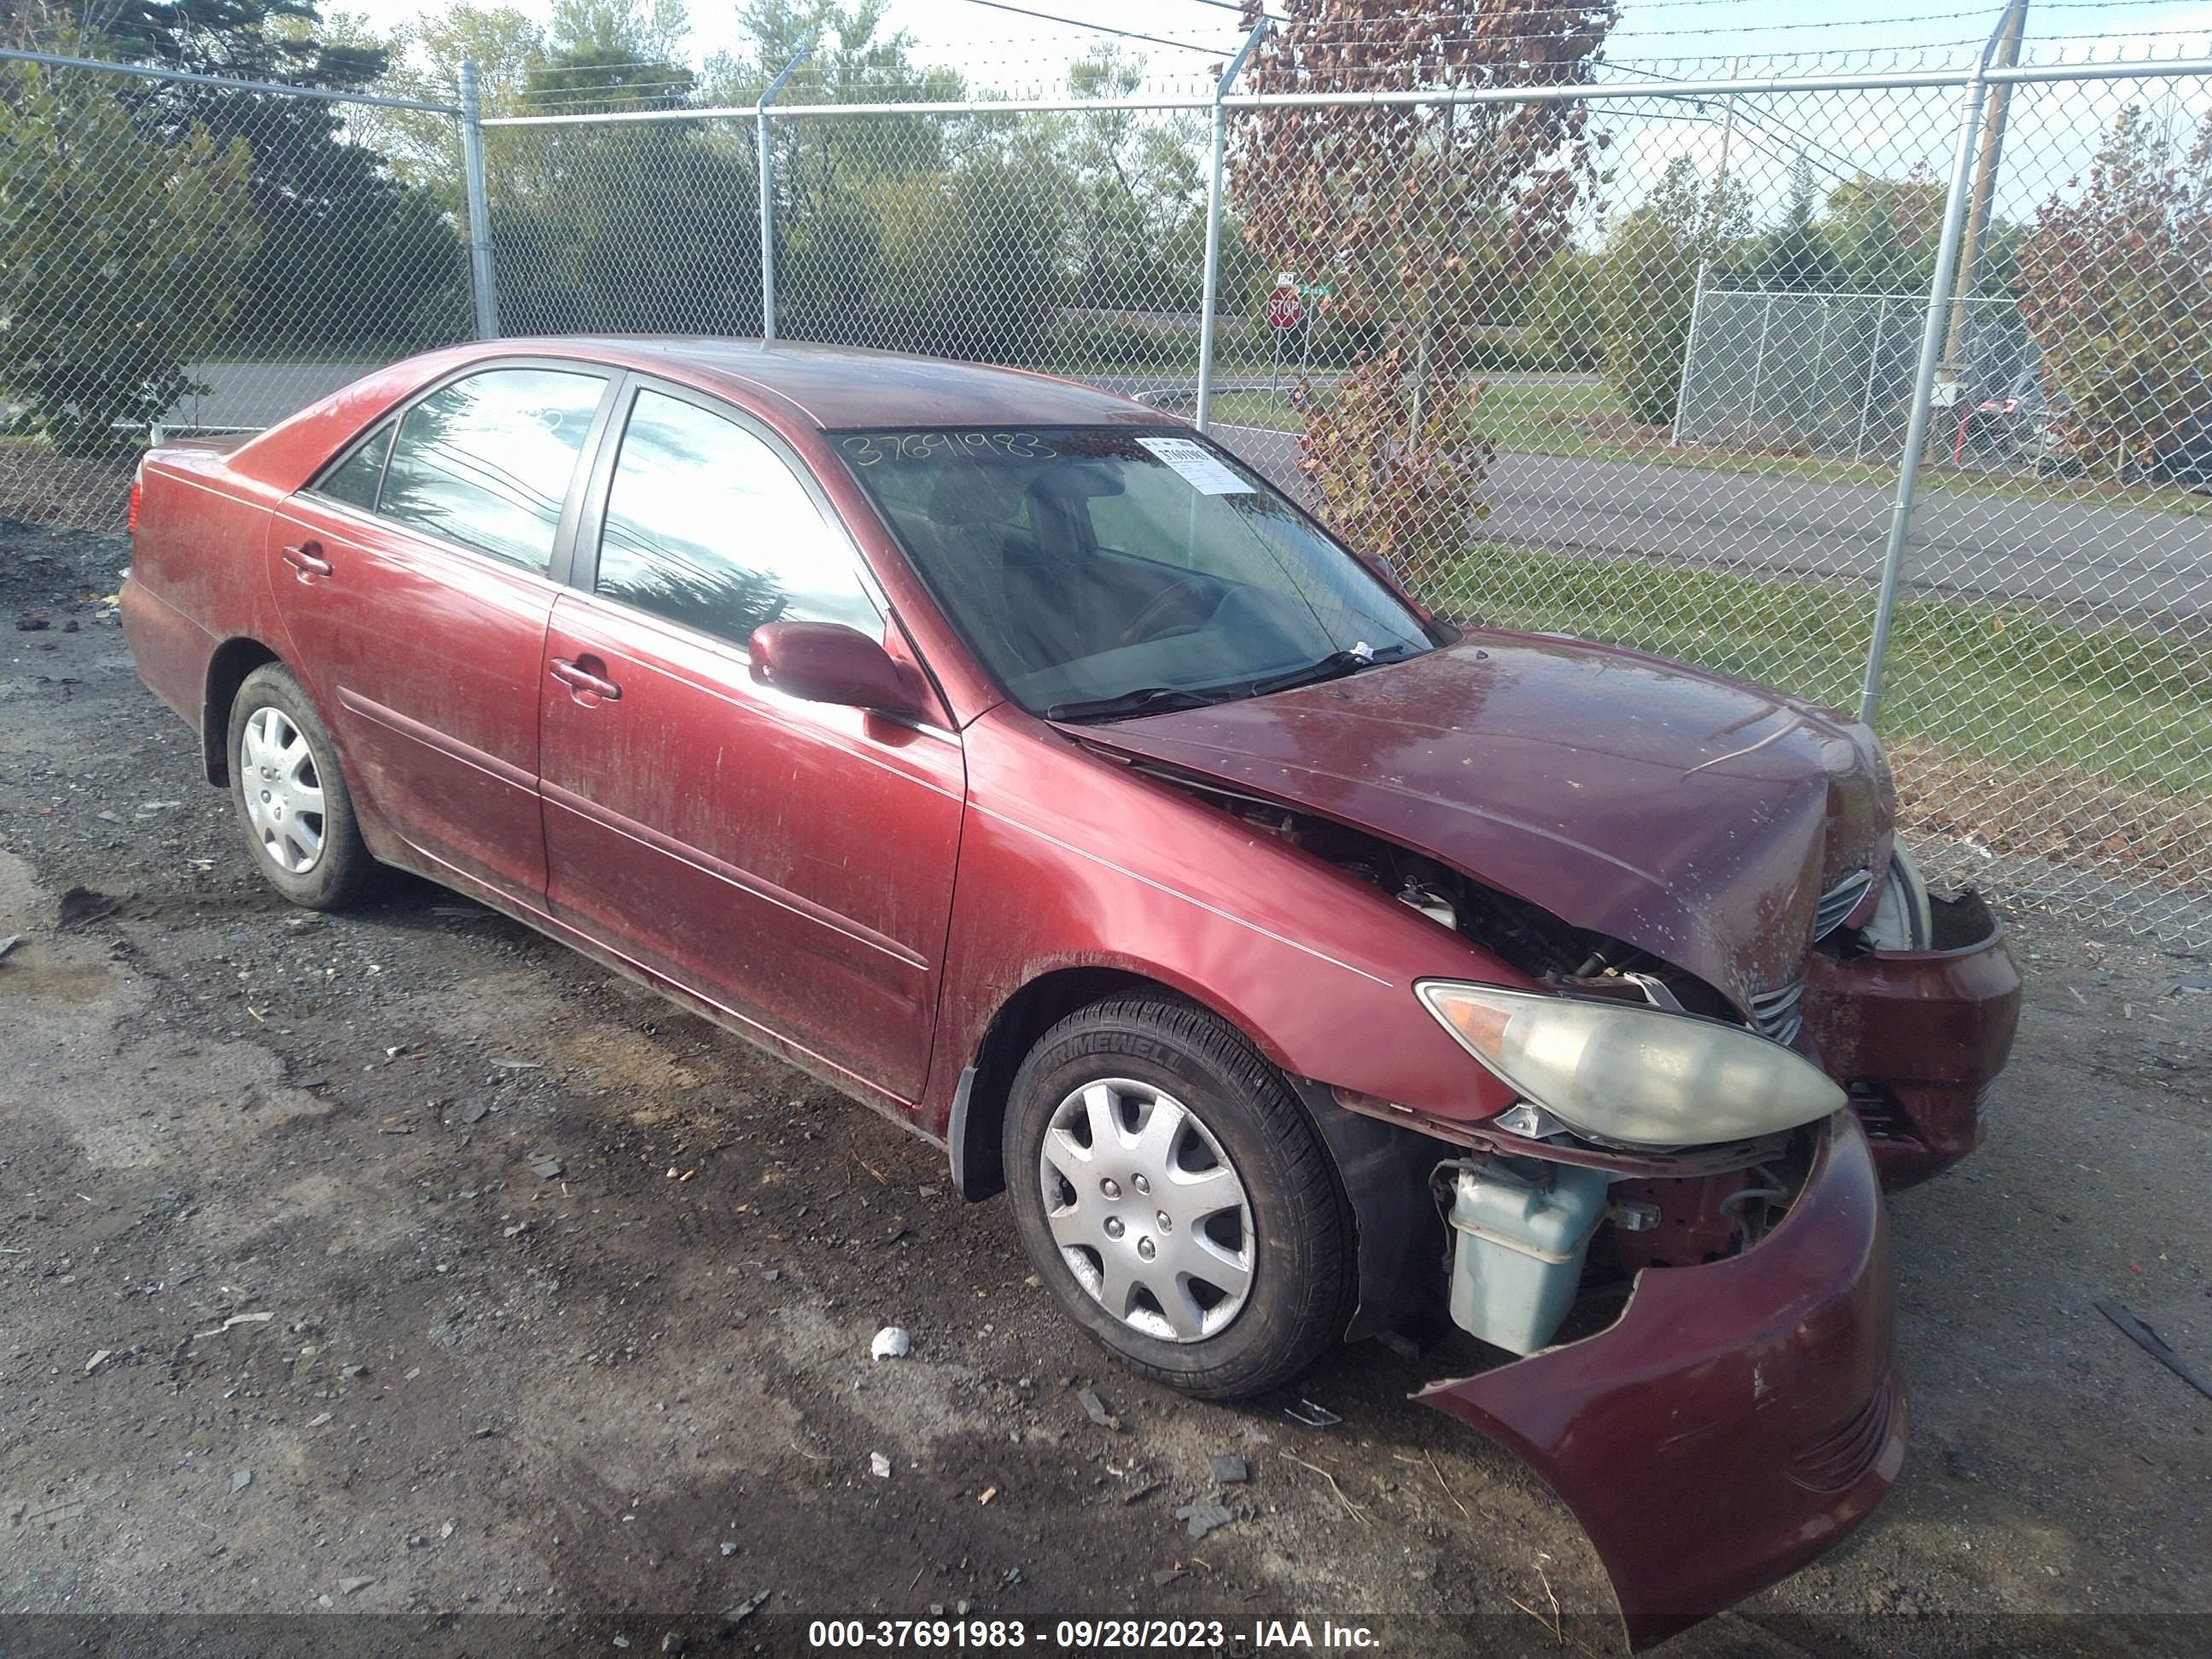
{"x": 1096, "y": 28}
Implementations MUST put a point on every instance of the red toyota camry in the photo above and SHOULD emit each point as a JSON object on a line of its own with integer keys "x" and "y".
{"x": 1300, "y": 965}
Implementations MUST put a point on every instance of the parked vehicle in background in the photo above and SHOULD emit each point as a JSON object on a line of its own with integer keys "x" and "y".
{"x": 1301, "y": 965}
{"x": 2026, "y": 428}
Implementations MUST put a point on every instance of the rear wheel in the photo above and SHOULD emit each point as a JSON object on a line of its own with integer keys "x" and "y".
{"x": 1176, "y": 1198}
{"x": 292, "y": 799}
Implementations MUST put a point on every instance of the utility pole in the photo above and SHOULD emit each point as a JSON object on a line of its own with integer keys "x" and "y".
{"x": 2004, "y": 53}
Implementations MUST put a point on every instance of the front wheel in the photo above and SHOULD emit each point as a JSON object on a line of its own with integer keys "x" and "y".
{"x": 1177, "y": 1199}
{"x": 1903, "y": 919}
{"x": 292, "y": 799}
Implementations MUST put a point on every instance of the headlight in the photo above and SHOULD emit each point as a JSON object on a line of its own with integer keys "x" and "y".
{"x": 1633, "y": 1076}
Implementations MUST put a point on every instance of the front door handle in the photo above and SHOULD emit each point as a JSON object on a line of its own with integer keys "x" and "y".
{"x": 584, "y": 685}
{"x": 307, "y": 560}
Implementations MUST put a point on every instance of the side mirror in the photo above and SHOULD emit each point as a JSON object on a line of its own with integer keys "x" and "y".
{"x": 828, "y": 662}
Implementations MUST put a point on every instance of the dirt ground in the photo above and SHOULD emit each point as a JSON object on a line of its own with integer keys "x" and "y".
{"x": 404, "y": 1262}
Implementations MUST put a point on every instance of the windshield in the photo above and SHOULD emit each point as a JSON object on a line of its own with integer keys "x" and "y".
{"x": 1101, "y": 571}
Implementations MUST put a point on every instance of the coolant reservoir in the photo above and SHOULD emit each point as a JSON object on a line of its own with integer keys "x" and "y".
{"x": 1520, "y": 1229}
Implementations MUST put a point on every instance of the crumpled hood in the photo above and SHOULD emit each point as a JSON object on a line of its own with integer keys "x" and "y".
{"x": 1695, "y": 817}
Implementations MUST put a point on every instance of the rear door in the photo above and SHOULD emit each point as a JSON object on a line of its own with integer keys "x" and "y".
{"x": 414, "y": 578}
{"x": 791, "y": 861}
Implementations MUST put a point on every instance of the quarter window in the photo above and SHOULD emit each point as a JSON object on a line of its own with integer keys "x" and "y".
{"x": 707, "y": 526}
{"x": 487, "y": 461}
{"x": 355, "y": 481}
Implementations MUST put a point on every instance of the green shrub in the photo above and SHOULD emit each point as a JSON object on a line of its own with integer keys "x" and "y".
{"x": 120, "y": 257}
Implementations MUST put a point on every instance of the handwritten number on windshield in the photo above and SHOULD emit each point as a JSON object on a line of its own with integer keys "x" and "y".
{"x": 866, "y": 449}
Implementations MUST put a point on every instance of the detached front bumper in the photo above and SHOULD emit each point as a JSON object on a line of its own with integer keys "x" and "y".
{"x": 1918, "y": 1037}
{"x": 1738, "y": 1419}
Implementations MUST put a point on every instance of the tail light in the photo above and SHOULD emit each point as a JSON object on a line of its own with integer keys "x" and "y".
{"x": 137, "y": 495}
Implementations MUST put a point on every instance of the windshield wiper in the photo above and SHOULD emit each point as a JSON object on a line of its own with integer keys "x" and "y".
{"x": 1333, "y": 666}
{"x": 1145, "y": 700}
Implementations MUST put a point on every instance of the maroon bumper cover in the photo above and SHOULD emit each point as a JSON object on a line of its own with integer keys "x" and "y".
{"x": 1918, "y": 1037}
{"x": 1737, "y": 1420}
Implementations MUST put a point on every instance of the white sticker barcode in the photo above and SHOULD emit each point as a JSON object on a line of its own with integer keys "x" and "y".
{"x": 1204, "y": 472}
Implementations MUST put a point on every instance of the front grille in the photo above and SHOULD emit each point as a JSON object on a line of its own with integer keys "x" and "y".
{"x": 1839, "y": 1457}
{"x": 1775, "y": 1014}
{"x": 1838, "y": 902}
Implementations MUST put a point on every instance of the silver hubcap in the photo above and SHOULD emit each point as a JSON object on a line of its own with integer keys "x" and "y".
{"x": 284, "y": 790}
{"x": 1149, "y": 1213}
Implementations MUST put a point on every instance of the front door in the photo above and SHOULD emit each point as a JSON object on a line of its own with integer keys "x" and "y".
{"x": 413, "y": 578}
{"x": 792, "y": 862}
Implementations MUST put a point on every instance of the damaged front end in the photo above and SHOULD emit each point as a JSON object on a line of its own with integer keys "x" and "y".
{"x": 1906, "y": 1000}
{"x": 1741, "y": 1415}
{"x": 1917, "y": 1030}
{"x": 1705, "y": 1374}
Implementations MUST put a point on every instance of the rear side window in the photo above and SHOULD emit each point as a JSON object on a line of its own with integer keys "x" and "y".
{"x": 354, "y": 481}
{"x": 487, "y": 461}
{"x": 707, "y": 526}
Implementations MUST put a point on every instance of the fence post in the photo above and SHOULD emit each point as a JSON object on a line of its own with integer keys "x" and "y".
{"x": 1759, "y": 370}
{"x": 1820, "y": 363}
{"x": 1873, "y": 365}
{"x": 1924, "y": 387}
{"x": 1689, "y": 355}
{"x": 1210, "y": 295}
{"x": 767, "y": 189}
{"x": 472, "y": 172}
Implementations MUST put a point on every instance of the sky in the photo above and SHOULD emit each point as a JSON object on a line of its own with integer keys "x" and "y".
{"x": 2055, "y": 128}
{"x": 997, "y": 47}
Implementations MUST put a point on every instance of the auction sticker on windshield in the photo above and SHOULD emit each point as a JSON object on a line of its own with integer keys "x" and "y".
{"x": 1203, "y": 472}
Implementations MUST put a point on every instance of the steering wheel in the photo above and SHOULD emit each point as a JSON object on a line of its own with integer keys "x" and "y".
{"x": 1136, "y": 629}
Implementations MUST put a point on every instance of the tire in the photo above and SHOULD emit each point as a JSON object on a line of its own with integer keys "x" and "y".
{"x": 291, "y": 797}
{"x": 1130, "y": 1064}
{"x": 1902, "y": 920}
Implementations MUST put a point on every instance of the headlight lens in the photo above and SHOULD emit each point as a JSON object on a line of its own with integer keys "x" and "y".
{"x": 1633, "y": 1076}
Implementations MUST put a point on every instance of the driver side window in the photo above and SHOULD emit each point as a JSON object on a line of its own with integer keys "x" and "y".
{"x": 706, "y": 525}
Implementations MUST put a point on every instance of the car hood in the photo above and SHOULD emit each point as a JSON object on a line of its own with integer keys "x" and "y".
{"x": 1695, "y": 817}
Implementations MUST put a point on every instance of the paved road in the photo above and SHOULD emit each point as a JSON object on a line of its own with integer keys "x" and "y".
{"x": 2079, "y": 555}
{"x": 2082, "y": 555}
{"x": 249, "y": 395}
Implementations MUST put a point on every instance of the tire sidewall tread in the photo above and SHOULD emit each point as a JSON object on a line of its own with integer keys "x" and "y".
{"x": 346, "y": 873}
{"x": 1303, "y": 1279}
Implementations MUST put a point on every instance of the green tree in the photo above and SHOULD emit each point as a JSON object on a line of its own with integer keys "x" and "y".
{"x": 1139, "y": 196}
{"x": 2115, "y": 286}
{"x": 421, "y": 148}
{"x": 1648, "y": 279}
{"x": 1563, "y": 324}
{"x": 121, "y": 256}
{"x": 644, "y": 227}
{"x": 1794, "y": 255}
{"x": 348, "y": 255}
{"x": 971, "y": 261}
{"x": 1884, "y": 232}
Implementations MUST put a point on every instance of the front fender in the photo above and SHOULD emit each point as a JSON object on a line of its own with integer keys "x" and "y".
{"x": 1071, "y": 861}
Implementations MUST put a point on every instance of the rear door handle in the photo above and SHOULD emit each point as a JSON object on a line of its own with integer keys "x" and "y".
{"x": 582, "y": 682}
{"x": 307, "y": 559}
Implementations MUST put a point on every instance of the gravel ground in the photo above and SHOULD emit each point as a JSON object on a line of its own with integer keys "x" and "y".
{"x": 402, "y": 1262}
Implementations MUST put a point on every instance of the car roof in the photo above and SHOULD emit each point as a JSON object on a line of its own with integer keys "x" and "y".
{"x": 836, "y": 386}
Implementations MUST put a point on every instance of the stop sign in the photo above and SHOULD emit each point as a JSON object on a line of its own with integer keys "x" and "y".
{"x": 1284, "y": 310}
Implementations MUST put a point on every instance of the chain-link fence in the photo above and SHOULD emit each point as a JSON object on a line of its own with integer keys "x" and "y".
{"x": 1831, "y": 376}
{"x": 195, "y": 253}
{"x": 1884, "y": 383}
